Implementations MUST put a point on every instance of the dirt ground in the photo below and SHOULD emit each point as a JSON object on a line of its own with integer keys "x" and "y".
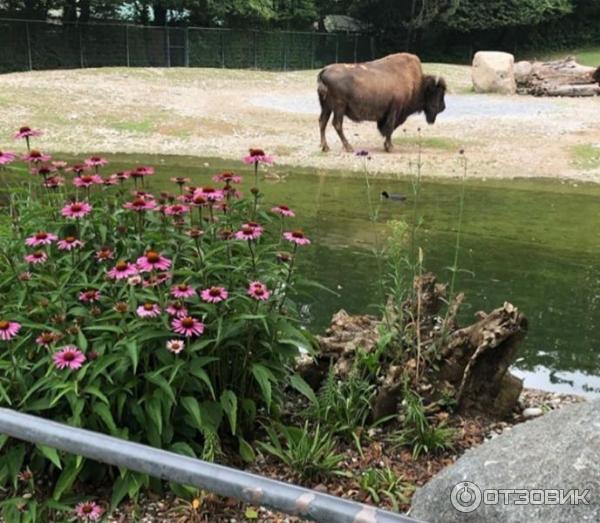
{"x": 213, "y": 112}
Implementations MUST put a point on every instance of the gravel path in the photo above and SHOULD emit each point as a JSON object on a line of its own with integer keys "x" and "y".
{"x": 213, "y": 112}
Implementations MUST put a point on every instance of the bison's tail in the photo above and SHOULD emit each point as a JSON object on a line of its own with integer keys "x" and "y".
{"x": 321, "y": 88}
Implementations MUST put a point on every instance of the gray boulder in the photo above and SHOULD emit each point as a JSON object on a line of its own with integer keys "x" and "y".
{"x": 539, "y": 458}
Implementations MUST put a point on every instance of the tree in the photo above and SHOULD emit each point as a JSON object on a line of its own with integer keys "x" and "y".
{"x": 473, "y": 15}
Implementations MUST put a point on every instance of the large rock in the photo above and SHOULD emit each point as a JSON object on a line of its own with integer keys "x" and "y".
{"x": 523, "y": 71}
{"x": 560, "y": 450}
{"x": 493, "y": 72}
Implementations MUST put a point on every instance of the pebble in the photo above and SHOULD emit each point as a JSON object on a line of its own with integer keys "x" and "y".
{"x": 532, "y": 412}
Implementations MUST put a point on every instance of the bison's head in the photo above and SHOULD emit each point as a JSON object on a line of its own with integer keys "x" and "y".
{"x": 434, "y": 91}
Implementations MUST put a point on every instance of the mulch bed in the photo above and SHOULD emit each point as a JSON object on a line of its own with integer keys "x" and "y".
{"x": 377, "y": 453}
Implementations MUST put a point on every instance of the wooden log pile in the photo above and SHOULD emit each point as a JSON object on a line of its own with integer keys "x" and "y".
{"x": 557, "y": 78}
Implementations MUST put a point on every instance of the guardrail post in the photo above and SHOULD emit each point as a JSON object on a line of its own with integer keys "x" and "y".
{"x": 186, "y": 49}
{"x": 312, "y": 50}
{"x": 81, "y": 61}
{"x": 355, "y": 48}
{"x": 167, "y": 46}
{"x": 28, "y": 46}
{"x": 337, "y": 47}
{"x": 222, "y": 40}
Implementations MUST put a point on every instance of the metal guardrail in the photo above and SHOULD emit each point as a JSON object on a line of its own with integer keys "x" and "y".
{"x": 251, "y": 488}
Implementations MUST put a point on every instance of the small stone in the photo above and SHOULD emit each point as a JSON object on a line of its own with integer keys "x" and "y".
{"x": 532, "y": 412}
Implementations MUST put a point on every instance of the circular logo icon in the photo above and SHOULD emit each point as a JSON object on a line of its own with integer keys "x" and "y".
{"x": 465, "y": 496}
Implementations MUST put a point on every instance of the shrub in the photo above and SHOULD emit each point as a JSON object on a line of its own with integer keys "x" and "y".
{"x": 161, "y": 319}
{"x": 384, "y": 482}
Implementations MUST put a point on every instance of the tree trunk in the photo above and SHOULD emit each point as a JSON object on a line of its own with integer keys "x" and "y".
{"x": 557, "y": 78}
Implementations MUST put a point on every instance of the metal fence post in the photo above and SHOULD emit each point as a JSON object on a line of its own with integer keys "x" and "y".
{"x": 312, "y": 50}
{"x": 285, "y": 50}
{"x": 167, "y": 46}
{"x": 337, "y": 47}
{"x": 81, "y": 61}
{"x": 355, "y": 48}
{"x": 254, "y": 44}
{"x": 28, "y": 46}
{"x": 186, "y": 44}
{"x": 127, "y": 45}
{"x": 222, "y": 40}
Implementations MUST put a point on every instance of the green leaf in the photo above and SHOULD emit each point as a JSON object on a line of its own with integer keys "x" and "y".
{"x": 157, "y": 379}
{"x": 94, "y": 391}
{"x": 229, "y": 404}
{"x": 298, "y": 383}
{"x": 103, "y": 411}
{"x": 133, "y": 353}
{"x": 203, "y": 376}
{"x": 104, "y": 328}
{"x": 51, "y": 454}
{"x": 67, "y": 477}
{"x": 246, "y": 450}
{"x": 153, "y": 408}
{"x": 251, "y": 513}
{"x": 82, "y": 341}
{"x": 119, "y": 491}
{"x": 263, "y": 377}
{"x": 192, "y": 406}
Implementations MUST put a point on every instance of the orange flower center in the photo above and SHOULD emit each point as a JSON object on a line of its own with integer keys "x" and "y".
{"x": 257, "y": 152}
{"x": 87, "y": 178}
{"x": 41, "y": 236}
{"x": 148, "y": 306}
{"x": 121, "y": 266}
{"x": 153, "y": 256}
{"x": 25, "y": 129}
{"x": 187, "y": 322}
{"x": 47, "y": 337}
{"x": 38, "y": 254}
{"x": 215, "y": 291}
{"x": 298, "y": 234}
{"x": 35, "y": 154}
{"x": 68, "y": 356}
{"x": 70, "y": 239}
{"x": 76, "y": 207}
{"x": 4, "y": 325}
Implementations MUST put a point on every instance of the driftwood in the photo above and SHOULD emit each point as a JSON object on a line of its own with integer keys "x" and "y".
{"x": 436, "y": 356}
{"x": 557, "y": 78}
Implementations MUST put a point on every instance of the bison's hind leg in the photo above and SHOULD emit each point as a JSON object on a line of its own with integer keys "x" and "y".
{"x": 386, "y": 126}
{"x": 323, "y": 121}
{"x": 338, "y": 125}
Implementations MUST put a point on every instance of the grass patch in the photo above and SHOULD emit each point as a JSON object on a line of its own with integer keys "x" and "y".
{"x": 586, "y": 55}
{"x": 432, "y": 142}
{"x": 586, "y": 156}
{"x": 134, "y": 126}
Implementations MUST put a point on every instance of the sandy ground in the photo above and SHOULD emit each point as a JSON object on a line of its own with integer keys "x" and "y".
{"x": 213, "y": 112}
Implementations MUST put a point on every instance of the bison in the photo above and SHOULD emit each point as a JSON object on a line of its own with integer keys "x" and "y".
{"x": 386, "y": 91}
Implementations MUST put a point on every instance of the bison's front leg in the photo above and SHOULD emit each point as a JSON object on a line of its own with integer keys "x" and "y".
{"x": 388, "y": 145}
{"x": 338, "y": 121}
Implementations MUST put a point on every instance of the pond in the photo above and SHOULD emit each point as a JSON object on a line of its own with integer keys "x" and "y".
{"x": 535, "y": 243}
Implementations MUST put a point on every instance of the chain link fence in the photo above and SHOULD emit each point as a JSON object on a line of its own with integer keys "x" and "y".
{"x": 27, "y": 45}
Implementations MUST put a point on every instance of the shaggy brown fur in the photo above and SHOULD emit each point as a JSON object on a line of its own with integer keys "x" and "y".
{"x": 386, "y": 91}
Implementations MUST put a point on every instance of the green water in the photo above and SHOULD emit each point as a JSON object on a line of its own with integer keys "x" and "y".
{"x": 533, "y": 243}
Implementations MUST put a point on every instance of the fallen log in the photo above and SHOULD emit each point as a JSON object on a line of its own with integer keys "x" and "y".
{"x": 557, "y": 78}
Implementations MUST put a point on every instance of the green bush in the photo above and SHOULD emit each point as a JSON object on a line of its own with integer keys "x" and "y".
{"x": 92, "y": 327}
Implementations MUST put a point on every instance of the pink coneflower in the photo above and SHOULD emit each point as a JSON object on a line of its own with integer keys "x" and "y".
{"x": 187, "y": 326}
{"x": 179, "y": 180}
{"x": 183, "y": 290}
{"x": 36, "y": 257}
{"x": 89, "y": 511}
{"x": 148, "y": 310}
{"x": 209, "y": 194}
{"x": 9, "y": 329}
{"x": 258, "y": 291}
{"x": 54, "y": 182}
{"x": 122, "y": 270}
{"x": 140, "y": 204}
{"x": 44, "y": 171}
{"x": 249, "y": 231}
{"x": 41, "y": 238}
{"x": 153, "y": 261}
{"x": 7, "y": 157}
{"x": 89, "y": 296}
{"x": 195, "y": 233}
{"x": 76, "y": 210}
{"x": 176, "y": 309}
{"x": 214, "y": 294}
{"x": 296, "y": 237}
{"x": 176, "y": 209}
{"x": 59, "y": 164}
{"x": 143, "y": 170}
{"x": 95, "y": 161}
{"x": 68, "y": 357}
{"x": 27, "y": 132}
{"x": 135, "y": 280}
{"x": 283, "y": 210}
{"x": 25, "y": 276}
{"x": 78, "y": 168}
{"x": 35, "y": 156}
{"x": 157, "y": 279}
{"x": 45, "y": 339}
{"x": 175, "y": 346}
{"x": 227, "y": 178}
{"x": 105, "y": 254}
{"x": 110, "y": 180}
{"x": 121, "y": 176}
{"x": 87, "y": 180}
{"x": 256, "y": 156}
{"x": 197, "y": 200}
{"x": 69, "y": 243}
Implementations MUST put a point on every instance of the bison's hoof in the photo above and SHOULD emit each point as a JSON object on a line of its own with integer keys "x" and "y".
{"x": 325, "y": 148}
{"x": 388, "y": 148}
{"x": 348, "y": 148}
